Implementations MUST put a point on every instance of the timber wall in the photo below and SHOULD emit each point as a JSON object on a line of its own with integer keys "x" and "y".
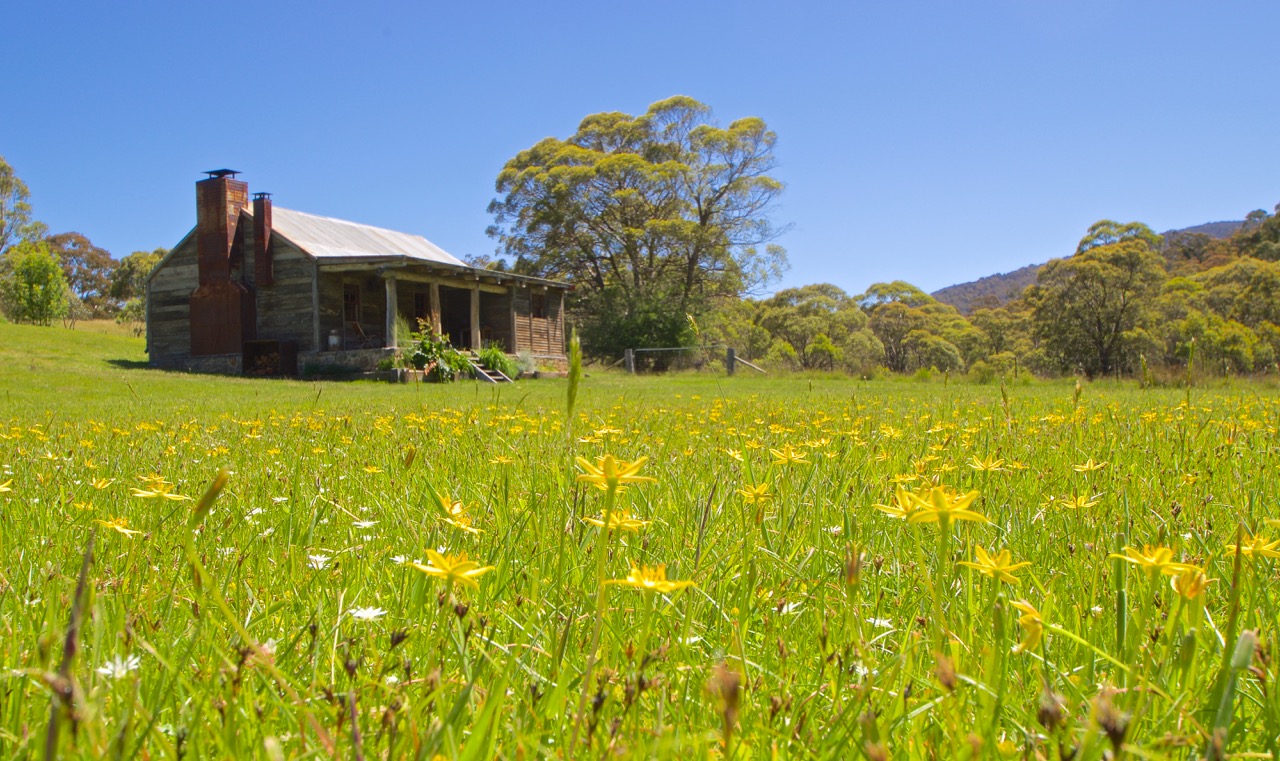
{"x": 540, "y": 336}
{"x": 284, "y": 307}
{"x": 169, "y": 306}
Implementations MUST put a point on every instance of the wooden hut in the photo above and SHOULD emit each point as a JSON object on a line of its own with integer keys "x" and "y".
{"x": 258, "y": 289}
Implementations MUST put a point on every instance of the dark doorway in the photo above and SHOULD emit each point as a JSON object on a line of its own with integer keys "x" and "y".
{"x": 496, "y": 320}
{"x": 455, "y": 316}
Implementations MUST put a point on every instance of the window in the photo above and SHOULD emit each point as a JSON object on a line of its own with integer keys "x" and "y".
{"x": 538, "y": 305}
{"x": 351, "y": 302}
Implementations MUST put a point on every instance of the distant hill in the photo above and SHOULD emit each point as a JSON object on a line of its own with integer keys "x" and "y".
{"x": 1212, "y": 229}
{"x": 1001, "y": 289}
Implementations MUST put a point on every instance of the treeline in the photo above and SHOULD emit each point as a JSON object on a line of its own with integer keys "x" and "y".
{"x": 47, "y": 277}
{"x": 1127, "y": 301}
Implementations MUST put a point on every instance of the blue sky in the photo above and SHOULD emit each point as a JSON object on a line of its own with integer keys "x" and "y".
{"x": 929, "y": 142}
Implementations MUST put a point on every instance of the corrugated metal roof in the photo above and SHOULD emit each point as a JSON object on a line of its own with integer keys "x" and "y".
{"x": 325, "y": 237}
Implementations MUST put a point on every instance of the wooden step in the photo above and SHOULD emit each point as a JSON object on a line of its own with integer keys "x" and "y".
{"x": 484, "y": 373}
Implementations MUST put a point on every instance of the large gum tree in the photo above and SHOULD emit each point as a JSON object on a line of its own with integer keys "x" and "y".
{"x": 1083, "y": 307}
{"x": 650, "y": 217}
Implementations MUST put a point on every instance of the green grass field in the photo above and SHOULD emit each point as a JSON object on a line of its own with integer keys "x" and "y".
{"x": 815, "y": 600}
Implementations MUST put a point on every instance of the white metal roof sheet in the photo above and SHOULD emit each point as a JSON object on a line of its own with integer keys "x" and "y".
{"x": 325, "y": 237}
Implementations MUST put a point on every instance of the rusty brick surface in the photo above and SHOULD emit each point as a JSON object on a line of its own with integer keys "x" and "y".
{"x": 219, "y": 305}
{"x": 263, "y": 269}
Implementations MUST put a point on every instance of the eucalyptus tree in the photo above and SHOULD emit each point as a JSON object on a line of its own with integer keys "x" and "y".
{"x": 651, "y": 217}
{"x": 16, "y": 223}
{"x": 1082, "y": 307}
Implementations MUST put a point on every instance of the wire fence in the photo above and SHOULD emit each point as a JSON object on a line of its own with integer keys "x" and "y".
{"x": 710, "y": 359}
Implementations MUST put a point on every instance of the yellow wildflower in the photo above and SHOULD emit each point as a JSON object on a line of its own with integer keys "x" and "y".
{"x": 455, "y": 512}
{"x": 650, "y": 579}
{"x": 455, "y": 569}
{"x": 1032, "y": 627}
{"x": 610, "y": 473}
{"x": 619, "y": 520}
{"x": 757, "y": 494}
{"x": 102, "y": 483}
{"x": 1001, "y": 567}
{"x": 1078, "y": 501}
{"x": 1255, "y": 545}
{"x": 463, "y": 521}
{"x": 1154, "y": 559}
{"x": 4, "y": 487}
{"x": 158, "y": 488}
{"x": 988, "y": 465}
{"x": 1191, "y": 583}
{"x": 788, "y": 455}
{"x": 1089, "y": 466}
{"x": 901, "y": 506}
{"x": 942, "y": 504}
{"x": 119, "y": 525}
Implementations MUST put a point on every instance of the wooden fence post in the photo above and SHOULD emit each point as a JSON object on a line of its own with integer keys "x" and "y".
{"x": 730, "y": 360}
{"x": 629, "y": 361}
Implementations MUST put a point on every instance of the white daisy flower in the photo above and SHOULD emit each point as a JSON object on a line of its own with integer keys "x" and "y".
{"x": 118, "y": 668}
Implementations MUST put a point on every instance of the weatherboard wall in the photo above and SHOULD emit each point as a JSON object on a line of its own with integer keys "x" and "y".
{"x": 284, "y": 307}
{"x": 169, "y": 305}
{"x": 541, "y": 335}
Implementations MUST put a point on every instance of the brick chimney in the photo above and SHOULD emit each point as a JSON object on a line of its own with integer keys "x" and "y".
{"x": 221, "y": 308}
{"x": 263, "y": 271}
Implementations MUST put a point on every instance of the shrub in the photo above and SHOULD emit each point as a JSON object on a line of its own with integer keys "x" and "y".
{"x": 495, "y": 358}
{"x": 527, "y": 364}
{"x": 981, "y": 372}
{"x": 34, "y": 288}
{"x": 432, "y": 353}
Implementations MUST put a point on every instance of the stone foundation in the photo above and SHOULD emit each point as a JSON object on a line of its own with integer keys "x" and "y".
{"x": 216, "y": 364}
{"x": 553, "y": 362}
{"x": 341, "y": 362}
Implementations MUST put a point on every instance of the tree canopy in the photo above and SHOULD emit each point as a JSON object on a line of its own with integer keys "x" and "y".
{"x": 93, "y": 283}
{"x": 820, "y": 326}
{"x": 16, "y": 222}
{"x": 651, "y": 217}
{"x": 88, "y": 269}
{"x": 1083, "y": 306}
{"x": 34, "y": 288}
